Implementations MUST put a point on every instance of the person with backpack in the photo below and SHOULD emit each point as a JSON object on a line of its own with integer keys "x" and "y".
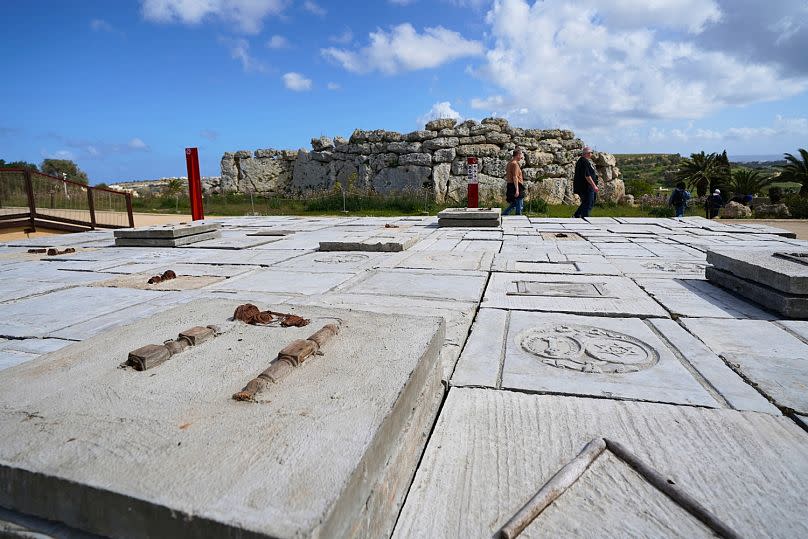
{"x": 713, "y": 204}
{"x": 679, "y": 199}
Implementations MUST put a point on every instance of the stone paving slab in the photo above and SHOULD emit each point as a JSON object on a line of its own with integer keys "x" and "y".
{"x": 42, "y": 315}
{"x": 660, "y": 268}
{"x": 189, "y": 460}
{"x": 696, "y": 298}
{"x": 181, "y": 241}
{"x": 471, "y": 214}
{"x": 449, "y": 286}
{"x": 339, "y": 262}
{"x": 782, "y": 269}
{"x": 516, "y": 263}
{"x": 771, "y": 358}
{"x": 579, "y": 355}
{"x": 172, "y": 231}
{"x": 281, "y": 281}
{"x": 442, "y": 260}
{"x": 787, "y": 305}
{"x": 597, "y": 295}
{"x": 140, "y": 281}
{"x": 385, "y": 243}
{"x": 495, "y": 449}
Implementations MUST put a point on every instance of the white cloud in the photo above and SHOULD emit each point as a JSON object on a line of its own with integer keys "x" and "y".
{"x": 579, "y": 63}
{"x": 240, "y": 50}
{"x": 342, "y": 39}
{"x": 296, "y": 82}
{"x": 137, "y": 144}
{"x": 100, "y": 25}
{"x": 404, "y": 49}
{"x": 313, "y": 7}
{"x": 402, "y": 2}
{"x": 277, "y": 42}
{"x": 209, "y": 134}
{"x": 333, "y": 86}
{"x": 780, "y": 127}
{"x": 439, "y": 110}
{"x": 247, "y": 14}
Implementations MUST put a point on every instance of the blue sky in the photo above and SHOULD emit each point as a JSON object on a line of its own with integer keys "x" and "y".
{"x": 122, "y": 87}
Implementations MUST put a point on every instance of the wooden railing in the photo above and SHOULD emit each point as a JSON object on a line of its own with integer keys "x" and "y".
{"x": 31, "y": 199}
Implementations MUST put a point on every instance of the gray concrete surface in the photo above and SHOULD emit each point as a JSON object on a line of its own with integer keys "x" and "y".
{"x": 547, "y": 342}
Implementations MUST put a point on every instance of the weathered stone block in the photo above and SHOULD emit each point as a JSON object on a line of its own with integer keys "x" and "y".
{"x": 401, "y": 178}
{"x": 478, "y": 150}
{"x": 402, "y": 147}
{"x": 382, "y": 160}
{"x": 441, "y": 123}
{"x": 420, "y": 159}
{"x": 444, "y": 155}
{"x": 497, "y": 138}
{"x": 420, "y": 136}
{"x": 501, "y": 122}
{"x": 439, "y": 143}
{"x": 322, "y": 144}
{"x": 537, "y": 159}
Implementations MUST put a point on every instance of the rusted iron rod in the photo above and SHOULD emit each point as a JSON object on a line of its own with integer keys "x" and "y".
{"x": 555, "y": 487}
{"x": 290, "y": 357}
{"x": 685, "y": 500}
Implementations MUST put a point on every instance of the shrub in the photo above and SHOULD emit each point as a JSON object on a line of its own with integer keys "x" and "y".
{"x": 798, "y": 206}
{"x": 662, "y": 211}
{"x": 775, "y": 194}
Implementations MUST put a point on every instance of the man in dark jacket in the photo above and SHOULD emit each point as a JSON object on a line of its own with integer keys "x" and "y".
{"x": 585, "y": 183}
{"x": 713, "y": 204}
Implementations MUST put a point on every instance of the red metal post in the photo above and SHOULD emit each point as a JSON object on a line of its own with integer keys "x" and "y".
{"x": 194, "y": 183}
{"x": 473, "y": 193}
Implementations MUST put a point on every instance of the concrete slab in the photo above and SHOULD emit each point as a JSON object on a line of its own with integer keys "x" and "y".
{"x": 471, "y": 214}
{"x": 167, "y": 242}
{"x": 523, "y": 263}
{"x": 788, "y": 305}
{"x": 443, "y": 260}
{"x": 188, "y": 461}
{"x": 467, "y": 223}
{"x": 782, "y": 269}
{"x": 656, "y": 268}
{"x": 384, "y": 243}
{"x": 171, "y": 231}
{"x": 577, "y": 355}
{"x": 42, "y": 315}
{"x": 280, "y": 281}
{"x": 771, "y": 358}
{"x": 600, "y": 295}
{"x": 339, "y": 262}
{"x": 234, "y": 242}
{"x": 140, "y": 281}
{"x": 450, "y": 286}
{"x": 495, "y": 449}
{"x": 697, "y": 298}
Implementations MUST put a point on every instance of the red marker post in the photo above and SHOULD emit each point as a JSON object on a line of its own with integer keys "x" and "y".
{"x": 194, "y": 183}
{"x": 474, "y": 193}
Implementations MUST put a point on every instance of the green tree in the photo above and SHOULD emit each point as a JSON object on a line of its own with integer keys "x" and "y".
{"x": 796, "y": 170}
{"x": 57, "y": 167}
{"x": 703, "y": 172}
{"x": 17, "y": 164}
{"x": 748, "y": 182}
{"x": 173, "y": 188}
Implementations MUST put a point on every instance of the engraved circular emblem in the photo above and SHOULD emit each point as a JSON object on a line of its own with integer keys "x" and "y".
{"x": 588, "y": 349}
{"x": 341, "y": 258}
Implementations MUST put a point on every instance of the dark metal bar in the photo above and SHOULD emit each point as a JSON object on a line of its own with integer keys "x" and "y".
{"x": 46, "y": 217}
{"x": 61, "y": 226}
{"x": 91, "y": 205}
{"x": 129, "y": 211}
{"x": 687, "y": 502}
{"x": 29, "y": 188}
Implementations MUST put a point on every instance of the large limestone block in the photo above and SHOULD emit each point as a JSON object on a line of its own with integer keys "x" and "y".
{"x": 441, "y": 180}
{"x": 493, "y": 450}
{"x": 265, "y": 175}
{"x": 322, "y": 144}
{"x": 444, "y": 155}
{"x": 419, "y": 159}
{"x": 383, "y": 160}
{"x": 401, "y": 178}
{"x": 441, "y": 123}
{"x": 328, "y": 451}
{"x": 229, "y": 172}
{"x": 309, "y": 173}
{"x": 782, "y": 268}
{"x": 420, "y": 136}
{"x": 439, "y": 143}
{"x": 479, "y": 150}
{"x": 403, "y": 147}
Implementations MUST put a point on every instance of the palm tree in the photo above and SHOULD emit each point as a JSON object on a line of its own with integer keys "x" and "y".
{"x": 703, "y": 172}
{"x": 796, "y": 170}
{"x": 748, "y": 182}
{"x": 174, "y": 187}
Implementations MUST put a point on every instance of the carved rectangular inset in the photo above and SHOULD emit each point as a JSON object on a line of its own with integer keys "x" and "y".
{"x": 558, "y": 289}
{"x": 799, "y": 258}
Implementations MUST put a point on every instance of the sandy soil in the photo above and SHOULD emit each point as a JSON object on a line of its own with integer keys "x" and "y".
{"x": 798, "y": 226}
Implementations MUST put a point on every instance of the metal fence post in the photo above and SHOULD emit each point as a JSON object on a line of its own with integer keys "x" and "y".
{"x": 91, "y": 205}
{"x": 129, "y": 210}
{"x": 29, "y": 188}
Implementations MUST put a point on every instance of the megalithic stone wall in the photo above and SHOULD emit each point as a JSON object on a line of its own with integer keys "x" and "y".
{"x": 434, "y": 158}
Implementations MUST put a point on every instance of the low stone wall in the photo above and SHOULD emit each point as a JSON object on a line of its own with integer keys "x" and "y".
{"x": 433, "y": 158}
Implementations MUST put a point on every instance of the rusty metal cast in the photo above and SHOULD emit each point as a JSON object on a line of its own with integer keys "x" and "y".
{"x": 55, "y": 252}
{"x": 153, "y": 355}
{"x": 555, "y": 487}
{"x": 290, "y": 357}
{"x": 156, "y": 279}
{"x": 687, "y": 502}
{"x": 166, "y": 276}
{"x": 37, "y": 251}
{"x": 251, "y": 314}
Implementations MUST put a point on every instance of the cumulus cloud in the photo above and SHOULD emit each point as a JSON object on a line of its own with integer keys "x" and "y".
{"x": 404, "y": 49}
{"x": 296, "y": 82}
{"x": 440, "y": 110}
{"x": 333, "y": 86}
{"x": 277, "y": 42}
{"x": 578, "y": 63}
{"x": 100, "y": 25}
{"x": 342, "y": 39}
{"x": 248, "y": 15}
{"x": 781, "y": 126}
{"x": 401, "y": 2}
{"x": 137, "y": 144}
{"x": 93, "y": 149}
{"x": 240, "y": 50}
{"x": 315, "y": 8}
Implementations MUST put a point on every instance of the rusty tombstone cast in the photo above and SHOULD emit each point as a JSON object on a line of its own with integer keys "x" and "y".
{"x": 148, "y": 356}
{"x": 196, "y": 335}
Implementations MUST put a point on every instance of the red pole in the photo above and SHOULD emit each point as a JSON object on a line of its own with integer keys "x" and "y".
{"x": 473, "y": 194}
{"x": 194, "y": 183}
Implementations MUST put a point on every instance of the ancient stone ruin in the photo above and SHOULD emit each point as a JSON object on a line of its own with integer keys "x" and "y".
{"x": 433, "y": 159}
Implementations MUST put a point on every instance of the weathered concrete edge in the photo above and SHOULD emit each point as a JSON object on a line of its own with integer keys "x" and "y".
{"x": 785, "y": 304}
{"x": 368, "y": 509}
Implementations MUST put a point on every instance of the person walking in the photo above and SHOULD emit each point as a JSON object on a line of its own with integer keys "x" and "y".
{"x": 713, "y": 204}
{"x": 585, "y": 183}
{"x": 514, "y": 184}
{"x": 679, "y": 198}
